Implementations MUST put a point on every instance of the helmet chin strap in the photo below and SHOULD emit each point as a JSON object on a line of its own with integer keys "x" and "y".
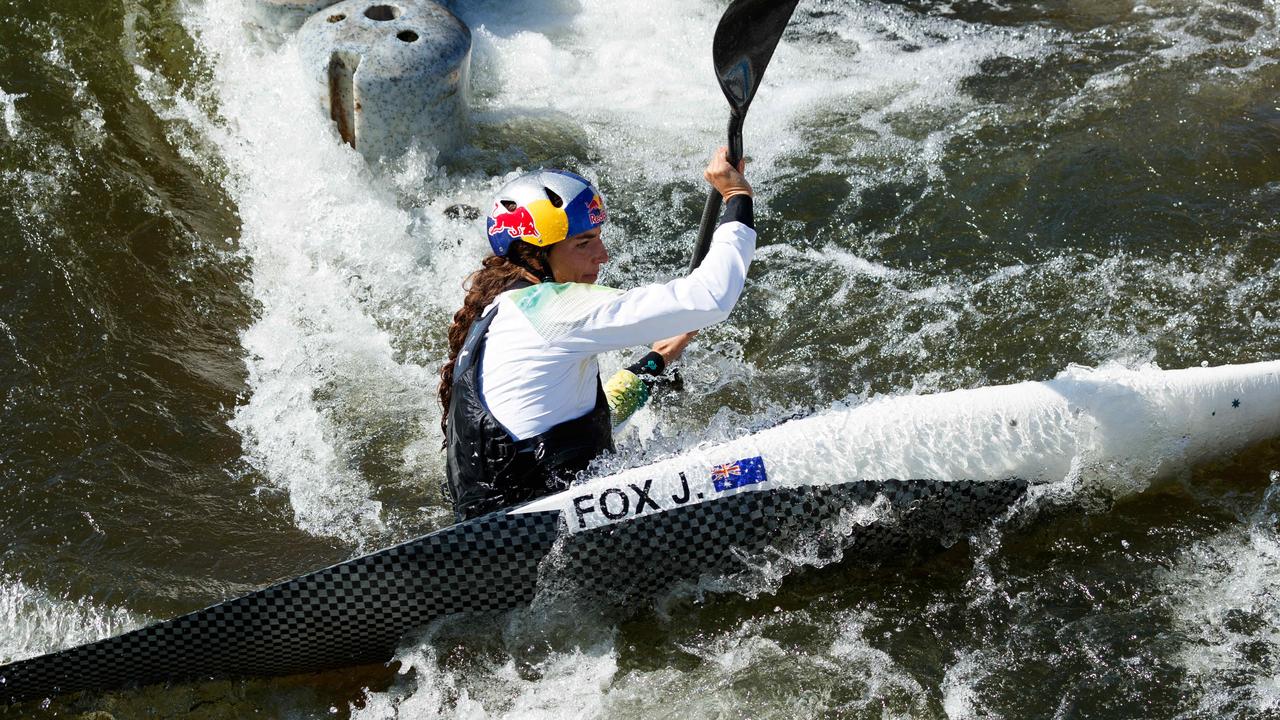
{"x": 547, "y": 276}
{"x": 529, "y": 269}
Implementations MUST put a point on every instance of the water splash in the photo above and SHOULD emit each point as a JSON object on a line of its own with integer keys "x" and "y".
{"x": 1222, "y": 593}
{"x": 33, "y": 622}
{"x": 349, "y": 308}
{"x": 9, "y": 103}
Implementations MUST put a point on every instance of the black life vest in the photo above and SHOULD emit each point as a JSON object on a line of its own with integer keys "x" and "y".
{"x": 486, "y": 468}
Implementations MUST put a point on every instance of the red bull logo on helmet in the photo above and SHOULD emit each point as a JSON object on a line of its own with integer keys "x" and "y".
{"x": 517, "y": 223}
{"x": 595, "y": 211}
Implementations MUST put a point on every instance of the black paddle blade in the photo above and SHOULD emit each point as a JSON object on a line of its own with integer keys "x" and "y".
{"x": 744, "y": 42}
{"x": 745, "y": 39}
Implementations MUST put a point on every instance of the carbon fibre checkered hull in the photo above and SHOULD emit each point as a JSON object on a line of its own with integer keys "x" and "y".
{"x": 357, "y": 612}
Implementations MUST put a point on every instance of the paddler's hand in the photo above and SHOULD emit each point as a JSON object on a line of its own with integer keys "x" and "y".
{"x": 672, "y": 348}
{"x": 726, "y": 178}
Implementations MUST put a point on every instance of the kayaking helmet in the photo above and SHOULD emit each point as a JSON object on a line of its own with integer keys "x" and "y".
{"x": 542, "y": 208}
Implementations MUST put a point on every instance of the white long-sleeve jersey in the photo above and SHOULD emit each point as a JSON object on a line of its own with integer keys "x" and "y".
{"x": 539, "y": 365}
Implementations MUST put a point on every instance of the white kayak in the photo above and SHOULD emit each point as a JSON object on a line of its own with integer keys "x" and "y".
{"x": 1126, "y": 426}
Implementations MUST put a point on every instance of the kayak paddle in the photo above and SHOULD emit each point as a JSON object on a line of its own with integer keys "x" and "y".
{"x": 744, "y": 42}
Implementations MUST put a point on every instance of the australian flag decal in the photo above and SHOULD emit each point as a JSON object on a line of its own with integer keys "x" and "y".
{"x": 747, "y": 471}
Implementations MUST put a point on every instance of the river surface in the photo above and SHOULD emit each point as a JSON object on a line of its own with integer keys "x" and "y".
{"x": 220, "y": 331}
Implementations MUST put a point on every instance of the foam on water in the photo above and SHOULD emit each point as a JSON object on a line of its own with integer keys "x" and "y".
{"x": 1223, "y": 592}
{"x": 88, "y": 130}
{"x": 620, "y": 76}
{"x": 959, "y": 698}
{"x": 572, "y": 683}
{"x": 93, "y": 124}
{"x": 1228, "y": 28}
{"x": 726, "y": 672}
{"x": 9, "y": 102}
{"x": 37, "y": 185}
{"x": 34, "y": 622}
{"x": 346, "y": 294}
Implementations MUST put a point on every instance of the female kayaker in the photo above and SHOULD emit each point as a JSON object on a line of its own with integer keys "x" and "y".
{"x": 524, "y": 408}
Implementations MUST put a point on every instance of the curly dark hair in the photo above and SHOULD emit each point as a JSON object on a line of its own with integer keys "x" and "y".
{"x": 523, "y": 262}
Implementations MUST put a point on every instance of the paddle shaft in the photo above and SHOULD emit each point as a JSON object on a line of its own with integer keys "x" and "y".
{"x": 711, "y": 211}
